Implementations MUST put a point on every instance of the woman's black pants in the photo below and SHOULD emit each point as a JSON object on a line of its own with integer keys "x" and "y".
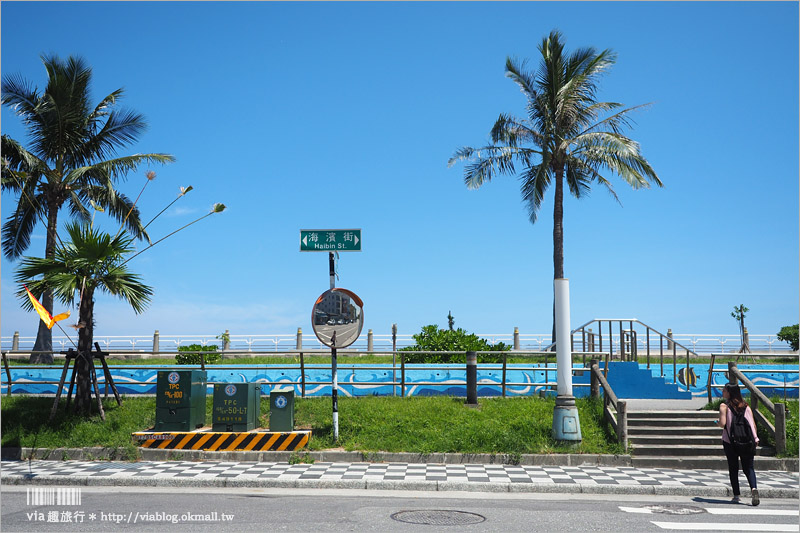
{"x": 733, "y": 467}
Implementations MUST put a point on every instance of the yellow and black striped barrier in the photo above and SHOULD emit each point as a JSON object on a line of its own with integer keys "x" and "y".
{"x": 223, "y": 441}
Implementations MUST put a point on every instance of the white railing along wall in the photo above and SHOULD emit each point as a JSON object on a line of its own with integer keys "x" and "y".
{"x": 699, "y": 343}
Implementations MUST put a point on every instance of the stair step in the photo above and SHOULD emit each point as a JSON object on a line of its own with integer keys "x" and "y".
{"x": 675, "y": 431}
{"x": 690, "y": 450}
{"x": 678, "y": 450}
{"x": 671, "y": 422}
{"x": 660, "y": 440}
{"x": 673, "y": 414}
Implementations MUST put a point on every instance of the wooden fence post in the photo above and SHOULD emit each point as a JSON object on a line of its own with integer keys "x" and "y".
{"x": 595, "y": 383}
{"x": 780, "y": 428}
{"x": 622, "y": 423}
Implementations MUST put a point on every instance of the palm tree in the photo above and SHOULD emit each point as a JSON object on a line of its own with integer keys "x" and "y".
{"x": 562, "y": 137}
{"x": 69, "y": 161}
{"x": 90, "y": 261}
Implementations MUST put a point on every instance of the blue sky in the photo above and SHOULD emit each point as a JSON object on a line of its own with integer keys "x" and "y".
{"x": 343, "y": 115}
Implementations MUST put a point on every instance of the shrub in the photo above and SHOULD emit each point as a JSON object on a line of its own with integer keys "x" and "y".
{"x": 790, "y": 334}
{"x": 433, "y": 339}
{"x": 192, "y": 355}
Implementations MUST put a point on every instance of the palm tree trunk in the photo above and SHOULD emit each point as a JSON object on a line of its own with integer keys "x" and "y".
{"x": 83, "y": 392}
{"x": 44, "y": 337}
{"x": 558, "y": 240}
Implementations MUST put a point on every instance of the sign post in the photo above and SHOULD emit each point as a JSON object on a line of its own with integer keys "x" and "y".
{"x": 335, "y": 314}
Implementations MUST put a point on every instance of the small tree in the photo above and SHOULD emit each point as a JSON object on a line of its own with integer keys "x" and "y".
{"x": 739, "y": 314}
{"x": 90, "y": 261}
{"x": 790, "y": 334}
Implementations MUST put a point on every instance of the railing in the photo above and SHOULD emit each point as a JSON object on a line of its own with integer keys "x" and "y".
{"x": 699, "y": 343}
{"x": 398, "y": 367}
{"x": 620, "y": 421}
{"x": 633, "y": 336}
{"x": 778, "y": 410}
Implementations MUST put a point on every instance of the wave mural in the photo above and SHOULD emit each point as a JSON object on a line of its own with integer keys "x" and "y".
{"x": 421, "y": 380}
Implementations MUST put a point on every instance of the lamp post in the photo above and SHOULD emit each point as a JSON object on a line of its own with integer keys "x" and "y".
{"x": 566, "y": 425}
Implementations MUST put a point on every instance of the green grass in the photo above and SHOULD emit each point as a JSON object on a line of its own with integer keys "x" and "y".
{"x": 372, "y": 424}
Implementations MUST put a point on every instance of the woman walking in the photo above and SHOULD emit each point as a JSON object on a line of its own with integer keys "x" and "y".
{"x": 733, "y": 407}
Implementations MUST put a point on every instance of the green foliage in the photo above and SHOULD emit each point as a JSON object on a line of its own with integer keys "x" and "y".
{"x": 192, "y": 355}
{"x": 433, "y": 339}
{"x": 790, "y": 334}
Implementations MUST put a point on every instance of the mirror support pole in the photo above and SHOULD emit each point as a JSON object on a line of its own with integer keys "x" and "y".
{"x": 334, "y": 377}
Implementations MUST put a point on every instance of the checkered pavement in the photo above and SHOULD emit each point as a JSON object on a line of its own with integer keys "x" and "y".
{"x": 400, "y": 472}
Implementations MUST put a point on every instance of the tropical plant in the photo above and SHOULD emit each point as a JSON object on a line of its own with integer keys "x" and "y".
{"x": 738, "y": 314}
{"x": 69, "y": 161}
{"x": 563, "y": 137}
{"x": 791, "y": 335}
{"x": 90, "y": 261}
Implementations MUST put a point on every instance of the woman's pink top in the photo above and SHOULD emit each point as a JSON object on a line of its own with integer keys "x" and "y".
{"x": 748, "y": 415}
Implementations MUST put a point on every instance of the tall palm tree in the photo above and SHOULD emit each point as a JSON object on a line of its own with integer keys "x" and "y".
{"x": 563, "y": 136}
{"x": 90, "y": 261}
{"x": 70, "y": 160}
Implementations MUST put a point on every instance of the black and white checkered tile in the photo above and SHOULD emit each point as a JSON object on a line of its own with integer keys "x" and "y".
{"x": 483, "y": 473}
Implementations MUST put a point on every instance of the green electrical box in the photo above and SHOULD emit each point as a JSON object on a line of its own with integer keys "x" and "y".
{"x": 281, "y": 409}
{"x": 180, "y": 400}
{"x": 237, "y": 406}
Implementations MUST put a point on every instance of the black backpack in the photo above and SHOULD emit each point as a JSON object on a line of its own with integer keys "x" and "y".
{"x": 740, "y": 434}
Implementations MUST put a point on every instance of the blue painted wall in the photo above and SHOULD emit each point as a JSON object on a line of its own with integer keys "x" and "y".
{"x": 628, "y": 380}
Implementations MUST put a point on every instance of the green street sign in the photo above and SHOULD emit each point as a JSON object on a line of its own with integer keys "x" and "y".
{"x": 330, "y": 240}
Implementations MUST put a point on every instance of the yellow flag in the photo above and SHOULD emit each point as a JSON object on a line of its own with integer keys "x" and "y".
{"x": 46, "y": 318}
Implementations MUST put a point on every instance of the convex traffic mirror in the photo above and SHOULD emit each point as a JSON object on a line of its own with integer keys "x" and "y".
{"x": 337, "y": 318}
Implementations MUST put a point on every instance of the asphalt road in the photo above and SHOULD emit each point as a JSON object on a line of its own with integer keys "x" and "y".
{"x": 309, "y": 510}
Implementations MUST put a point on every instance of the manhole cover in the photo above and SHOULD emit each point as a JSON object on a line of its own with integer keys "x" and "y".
{"x": 438, "y": 518}
{"x": 674, "y": 509}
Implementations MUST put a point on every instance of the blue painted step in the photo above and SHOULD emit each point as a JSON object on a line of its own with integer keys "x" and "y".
{"x": 629, "y": 380}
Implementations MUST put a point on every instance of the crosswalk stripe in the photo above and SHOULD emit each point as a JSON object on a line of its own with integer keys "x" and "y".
{"x": 725, "y": 526}
{"x": 770, "y": 512}
{"x": 638, "y": 510}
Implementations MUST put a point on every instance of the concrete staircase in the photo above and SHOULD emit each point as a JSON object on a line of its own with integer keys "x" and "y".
{"x": 682, "y": 439}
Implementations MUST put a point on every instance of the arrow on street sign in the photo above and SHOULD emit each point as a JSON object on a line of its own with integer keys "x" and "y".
{"x": 330, "y": 240}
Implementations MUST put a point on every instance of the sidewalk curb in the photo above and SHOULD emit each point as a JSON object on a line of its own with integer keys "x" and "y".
{"x": 434, "y": 486}
{"x": 146, "y": 454}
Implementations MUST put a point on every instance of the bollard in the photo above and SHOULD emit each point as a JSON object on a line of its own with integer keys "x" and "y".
{"x": 516, "y": 338}
{"x": 156, "y": 349}
{"x": 369, "y": 341}
{"x": 595, "y": 383}
{"x": 15, "y": 342}
{"x": 669, "y": 339}
{"x": 299, "y": 345}
{"x": 472, "y": 378}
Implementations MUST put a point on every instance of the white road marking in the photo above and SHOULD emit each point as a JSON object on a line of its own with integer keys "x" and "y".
{"x": 725, "y": 526}
{"x": 745, "y": 510}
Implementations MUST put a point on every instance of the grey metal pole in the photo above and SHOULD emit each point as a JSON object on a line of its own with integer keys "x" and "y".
{"x": 334, "y": 376}
{"x": 156, "y": 348}
{"x": 15, "y": 342}
{"x": 370, "y": 345}
{"x": 516, "y": 338}
{"x": 472, "y": 378}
